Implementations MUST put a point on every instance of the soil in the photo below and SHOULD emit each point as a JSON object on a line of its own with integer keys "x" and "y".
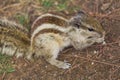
{"x": 98, "y": 62}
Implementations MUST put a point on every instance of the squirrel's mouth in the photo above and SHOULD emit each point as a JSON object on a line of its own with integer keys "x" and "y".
{"x": 101, "y": 39}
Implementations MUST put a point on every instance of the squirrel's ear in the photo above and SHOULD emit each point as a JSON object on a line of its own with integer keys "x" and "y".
{"x": 76, "y": 19}
{"x": 81, "y": 14}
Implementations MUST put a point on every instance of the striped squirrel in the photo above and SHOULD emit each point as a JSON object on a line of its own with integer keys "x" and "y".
{"x": 50, "y": 34}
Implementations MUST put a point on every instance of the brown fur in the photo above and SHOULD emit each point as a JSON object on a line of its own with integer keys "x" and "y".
{"x": 15, "y": 34}
{"x": 49, "y": 19}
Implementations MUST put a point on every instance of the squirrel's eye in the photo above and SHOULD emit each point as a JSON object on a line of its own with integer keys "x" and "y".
{"x": 90, "y": 29}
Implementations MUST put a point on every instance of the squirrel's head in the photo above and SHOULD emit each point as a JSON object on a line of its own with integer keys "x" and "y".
{"x": 86, "y": 30}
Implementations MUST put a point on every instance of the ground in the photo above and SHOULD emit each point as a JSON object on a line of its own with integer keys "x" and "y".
{"x": 98, "y": 62}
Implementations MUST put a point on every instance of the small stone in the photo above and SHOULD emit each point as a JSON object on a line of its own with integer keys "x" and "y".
{"x": 46, "y": 66}
{"x": 104, "y": 43}
{"x": 95, "y": 52}
{"x": 92, "y": 63}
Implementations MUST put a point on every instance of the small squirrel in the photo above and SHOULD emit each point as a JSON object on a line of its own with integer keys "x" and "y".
{"x": 50, "y": 34}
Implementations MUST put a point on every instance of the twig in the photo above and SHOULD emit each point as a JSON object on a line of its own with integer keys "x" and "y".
{"x": 9, "y": 6}
{"x": 96, "y": 8}
{"x": 88, "y": 59}
{"x": 3, "y": 76}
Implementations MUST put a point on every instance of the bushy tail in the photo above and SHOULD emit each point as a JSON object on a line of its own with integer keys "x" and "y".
{"x": 11, "y": 24}
{"x": 14, "y": 38}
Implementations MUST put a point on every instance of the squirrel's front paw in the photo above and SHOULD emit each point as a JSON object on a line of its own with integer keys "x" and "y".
{"x": 64, "y": 65}
{"x": 59, "y": 64}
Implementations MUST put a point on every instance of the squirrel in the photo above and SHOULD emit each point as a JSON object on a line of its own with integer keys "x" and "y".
{"x": 49, "y": 35}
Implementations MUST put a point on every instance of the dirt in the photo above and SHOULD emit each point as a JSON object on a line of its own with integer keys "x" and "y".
{"x": 98, "y": 62}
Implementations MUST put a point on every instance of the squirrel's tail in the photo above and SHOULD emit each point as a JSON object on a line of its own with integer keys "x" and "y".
{"x": 10, "y": 24}
{"x": 14, "y": 38}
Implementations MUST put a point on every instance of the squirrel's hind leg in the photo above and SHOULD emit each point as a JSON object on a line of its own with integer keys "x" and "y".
{"x": 52, "y": 54}
{"x": 49, "y": 47}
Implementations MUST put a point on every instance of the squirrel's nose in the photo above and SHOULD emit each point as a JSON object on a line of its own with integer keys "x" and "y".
{"x": 102, "y": 34}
